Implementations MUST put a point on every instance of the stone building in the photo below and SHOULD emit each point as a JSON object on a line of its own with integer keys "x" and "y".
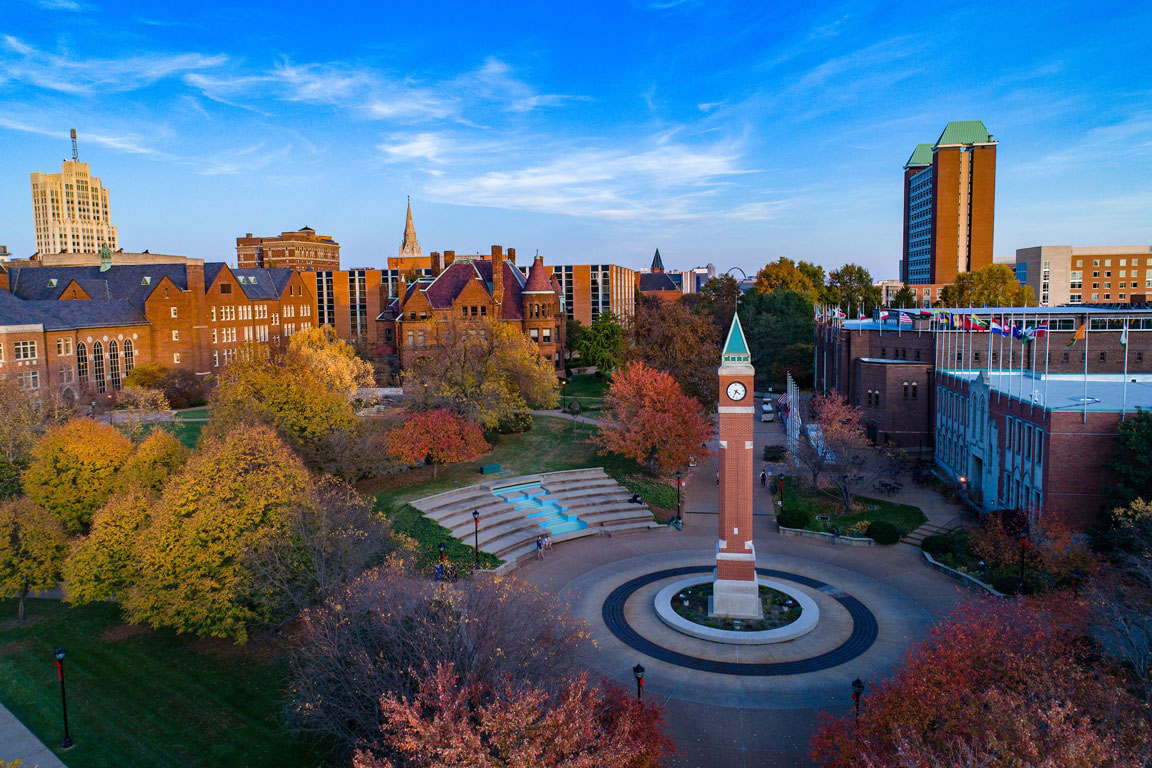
{"x": 70, "y": 209}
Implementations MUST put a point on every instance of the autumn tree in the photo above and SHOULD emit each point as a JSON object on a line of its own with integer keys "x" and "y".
{"x": 454, "y": 721}
{"x": 851, "y": 287}
{"x": 137, "y": 407}
{"x": 785, "y": 274}
{"x": 104, "y": 564}
{"x": 904, "y": 298}
{"x": 231, "y": 498}
{"x": 669, "y": 337}
{"x": 1004, "y": 682}
{"x": 73, "y": 470}
{"x": 1055, "y": 555}
{"x": 382, "y": 632}
{"x": 19, "y": 421}
{"x": 32, "y": 548}
{"x": 332, "y": 361}
{"x": 156, "y": 458}
{"x": 181, "y": 388}
{"x": 602, "y": 343}
{"x": 437, "y": 437}
{"x": 992, "y": 286}
{"x": 484, "y": 370}
{"x": 837, "y": 449}
{"x": 648, "y": 419}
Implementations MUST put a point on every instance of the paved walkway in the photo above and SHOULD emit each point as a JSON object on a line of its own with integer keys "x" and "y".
{"x": 18, "y": 743}
{"x": 725, "y": 720}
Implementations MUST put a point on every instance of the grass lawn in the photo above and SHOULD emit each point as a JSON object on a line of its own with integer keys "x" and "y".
{"x": 797, "y": 495}
{"x": 142, "y": 697}
{"x": 585, "y": 385}
{"x": 187, "y": 432}
{"x": 193, "y": 413}
{"x": 551, "y": 445}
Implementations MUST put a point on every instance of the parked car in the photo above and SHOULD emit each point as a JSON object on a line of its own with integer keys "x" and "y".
{"x": 766, "y": 413}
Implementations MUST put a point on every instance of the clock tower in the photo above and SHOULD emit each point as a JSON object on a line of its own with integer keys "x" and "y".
{"x": 735, "y": 591}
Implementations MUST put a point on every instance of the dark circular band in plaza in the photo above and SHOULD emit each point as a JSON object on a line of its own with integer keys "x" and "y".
{"x": 864, "y": 629}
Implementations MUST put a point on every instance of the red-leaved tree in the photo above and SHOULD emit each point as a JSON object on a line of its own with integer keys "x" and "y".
{"x": 453, "y": 722}
{"x": 648, "y": 419}
{"x": 438, "y": 437}
{"x": 1001, "y": 684}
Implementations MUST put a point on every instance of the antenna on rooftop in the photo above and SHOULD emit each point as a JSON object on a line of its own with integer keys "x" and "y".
{"x": 75, "y": 151}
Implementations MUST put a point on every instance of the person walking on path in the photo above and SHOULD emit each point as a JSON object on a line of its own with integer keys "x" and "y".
{"x": 717, "y": 477}
{"x": 763, "y": 479}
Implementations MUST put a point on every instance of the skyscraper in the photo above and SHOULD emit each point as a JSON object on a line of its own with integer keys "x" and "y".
{"x": 949, "y": 205}
{"x": 70, "y": 209}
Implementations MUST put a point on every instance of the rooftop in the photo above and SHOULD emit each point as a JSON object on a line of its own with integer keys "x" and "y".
{"x": 921, "y": 156}
{"x": 1066, "y": 392}
{"x": 964, "y": 132}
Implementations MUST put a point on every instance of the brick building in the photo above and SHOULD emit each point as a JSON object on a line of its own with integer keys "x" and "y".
{"x": 1066, "y": 274}
{"x": 302, "y": 250}
{"x": 475, "y": 287}
{"x": 949, "y": 205}
{"x": 656, "y": 283}
{"x": 591, "y": 289}
{"x": 192, "y": 316}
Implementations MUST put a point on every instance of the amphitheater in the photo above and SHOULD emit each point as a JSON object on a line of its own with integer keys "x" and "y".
{"x": 515, "y": 511}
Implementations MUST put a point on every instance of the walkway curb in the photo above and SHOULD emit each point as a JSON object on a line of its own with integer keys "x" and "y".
{"x": 19, "y": 743}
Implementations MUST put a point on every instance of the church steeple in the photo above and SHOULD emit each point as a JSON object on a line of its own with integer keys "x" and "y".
{"x": 657, "y": 263}
{"x": 409, "y": 246}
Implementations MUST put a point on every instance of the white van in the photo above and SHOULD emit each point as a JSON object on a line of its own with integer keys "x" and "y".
{"x": 766, "y": 413}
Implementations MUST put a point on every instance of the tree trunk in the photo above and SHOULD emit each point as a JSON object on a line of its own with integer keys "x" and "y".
{"x": 20, "y": 603}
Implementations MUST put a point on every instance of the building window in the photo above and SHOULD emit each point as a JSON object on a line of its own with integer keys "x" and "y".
{"x": 173, "y": 311}
{"x": 98, "y": 366}
{"x": 1139, "y": 357}
{"x": 129, "y": 357}
{"x": 905, "y": 390}
{"x": 420, "y": 338}
{"x": 226, "y": 288}
{"x": 66, "y": 374}
{"x": 1103, "y": 357}
{"x": 176, "y": 358}
{"x": 64, "y": 346}
{"x": 82, "y": 363}
{"x": 114, "y": 364}
{"x": 25, "y": 350}
{"x": 1065, "y": 357}
{"x": 175, "y": 335}
{"x": 915, "y": 388}
{"x": 29, "y": 379}
{"x": 534, "y": 335}
{"x": 546, "y": 336}
{"x": 215, "y": 358}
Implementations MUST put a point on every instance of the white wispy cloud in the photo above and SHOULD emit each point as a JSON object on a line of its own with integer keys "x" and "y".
{"x": 65, "y": 73}
{"x": 61, "y": 5}
{"x": 128, "y": 143}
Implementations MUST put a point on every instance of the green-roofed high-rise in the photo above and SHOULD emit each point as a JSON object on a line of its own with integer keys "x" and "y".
{"x": 949, "y": 205}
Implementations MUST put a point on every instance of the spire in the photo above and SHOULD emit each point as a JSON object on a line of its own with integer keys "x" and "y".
{"x": 409, "y": 246}
{"x": 736, "y": 346}
{"x": 657, "y": 262}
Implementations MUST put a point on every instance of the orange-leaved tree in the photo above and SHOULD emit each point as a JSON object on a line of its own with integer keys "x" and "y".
{"x": 438, "y": 437}
{"x": 452, "y": 722}
{"x": 999, "y": 683}
{"x": 649, "y": 420}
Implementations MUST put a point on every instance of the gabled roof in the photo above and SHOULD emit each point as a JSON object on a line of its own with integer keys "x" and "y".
{"x": 123, "y": 281}
{"x": 64, "y": 315}
{"x": 448, "y": 284}
{"x": 650, "y": 282}
{"x": 921, "y": 156}
{"x": 657, "y": 262}
{"x": 263, "y": 284}
{"x": 964, "y": 132}
{"x": 211, "y": 271}
{"x": 735, "y": 346}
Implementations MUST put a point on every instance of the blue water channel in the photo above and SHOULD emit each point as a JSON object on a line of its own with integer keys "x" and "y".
{"x": 532, "y": 499}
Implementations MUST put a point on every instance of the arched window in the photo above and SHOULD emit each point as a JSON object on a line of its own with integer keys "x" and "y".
{"x": 98, "y": 366}
{"x": 82, "y": 363}
{"x": 905, "y": 390}
{"x": 129, "y": 358}
{"x": 114, "y": 364}
{"x": 915, "y": 387}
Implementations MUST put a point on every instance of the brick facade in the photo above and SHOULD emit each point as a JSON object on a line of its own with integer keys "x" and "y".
{"x": 302, "y": 250}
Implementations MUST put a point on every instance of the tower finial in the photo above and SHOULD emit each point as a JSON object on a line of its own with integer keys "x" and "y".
{"x": 75, "y": 151}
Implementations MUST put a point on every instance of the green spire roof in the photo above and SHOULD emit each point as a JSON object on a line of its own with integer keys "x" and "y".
{"x": 964, "y": 132}
{"x": 921, "y": 156}
{"x": 736, "y": 346}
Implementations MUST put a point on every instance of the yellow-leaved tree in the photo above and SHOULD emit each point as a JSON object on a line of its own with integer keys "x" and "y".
{"x": 73, "y": 470}
{"x": 232, "y": 498}
{"x": 332, "y": 361}
{"x": 103, "y": 564}
{"x": 155, "y": 459}
{"x": 32, "y": 547}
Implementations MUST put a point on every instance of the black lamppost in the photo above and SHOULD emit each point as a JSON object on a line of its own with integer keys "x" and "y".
{"x": 563, "y": 394}
{"x": 679, "y": 515}
{"x": 476, "y": 534}
{"x": 857, "y": 693}
{"x": 638, "y": 672}
{"x": 67, "y": 743}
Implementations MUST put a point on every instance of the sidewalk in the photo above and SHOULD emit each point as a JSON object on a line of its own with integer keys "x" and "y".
{"x": 18, "y": 743}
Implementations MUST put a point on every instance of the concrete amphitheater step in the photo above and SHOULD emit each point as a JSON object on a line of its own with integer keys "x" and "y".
{"x": 450, "y": 517}
{"x": 622, "y": 516}
{"x": 465, "y": 527}
{"x": 516, "y": 530}
{"x": 565, "y": 494}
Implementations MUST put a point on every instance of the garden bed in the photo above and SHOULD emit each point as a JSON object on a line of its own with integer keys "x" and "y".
{"x": 905, "y": 517}
{"x": 779, "y": 609}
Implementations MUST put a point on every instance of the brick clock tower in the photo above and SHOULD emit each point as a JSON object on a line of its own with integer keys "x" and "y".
{"x": 735, "y": 591}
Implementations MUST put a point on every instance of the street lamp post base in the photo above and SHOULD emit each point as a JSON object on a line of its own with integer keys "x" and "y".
{"x": 67, "y": 744}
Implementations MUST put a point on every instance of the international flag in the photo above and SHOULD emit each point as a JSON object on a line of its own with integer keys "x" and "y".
{"x": 1017, "y": 332}
{"x": 973, "y": 323}
{"x": 905, "y": 318}
{"x": 1077, "y": 336}
{"x": 816, "y": 314}
{"x": 1036, "y": 332}
{"x": 840, "y": 314}
{"x": 1124, "y": 336}
{"x": 995, "y": 327}
{"x": 926, "y": 313}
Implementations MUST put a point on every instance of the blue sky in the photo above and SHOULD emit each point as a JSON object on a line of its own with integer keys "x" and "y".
{"x": 731, "y": 133}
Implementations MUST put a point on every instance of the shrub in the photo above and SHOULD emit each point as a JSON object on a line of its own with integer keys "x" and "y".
{"x": 794, "y": 518}
{"x": 775, "y": 453}
{"x": 514, "y": 423}
{"x": 883, "y": 532}
{"x": 937, "y": 545}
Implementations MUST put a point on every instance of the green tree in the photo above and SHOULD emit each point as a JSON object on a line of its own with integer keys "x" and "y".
{"x": 182, "y": 389}
{"x": 156, "y": 458}
{"x": 602, "y": 343}
{"x": 814, "y": 273}
{"x": 779, "y": 328}
{"x": 993, "y": 286}
{"x": 785, "y": 274}
{"x": 717, "y": 301}
{"x": 573, "y": 333}
{"x": 73, "y": 470}
{"x": 105, "y": 563}
{"x": 231, "y": 499}
{"x": 850, "y": 286}
{"x": 32, "y": 547}
{"x": 1131, "y": 462}
{"x": 19, "y": 421}
{"x": 904, "y": 298}
{"x": 669, "y": 337}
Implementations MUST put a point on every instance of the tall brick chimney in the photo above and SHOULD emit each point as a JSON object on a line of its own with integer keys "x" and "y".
{"x": 497, "y": 280}
{"x": 512, "y": 256}
{"x": 497, "y": 253}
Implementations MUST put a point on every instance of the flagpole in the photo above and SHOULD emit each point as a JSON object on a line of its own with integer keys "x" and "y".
{"x": 988, "y": 354}
{"x": 1124, "y": 401}
{"x": 1000, "y": 358}
{"x": 1047, "y": 347}
{"x": 1031, "y": 395}
{"x": 1084, "y": 400}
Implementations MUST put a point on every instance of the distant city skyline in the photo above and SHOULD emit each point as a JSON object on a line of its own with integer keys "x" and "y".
{"x": 592, "y": 133}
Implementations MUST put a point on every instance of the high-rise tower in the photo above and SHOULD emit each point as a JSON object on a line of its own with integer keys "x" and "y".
{"x": 735, "y": 592}
{"x": 70, "y": 209}
{"x": 949, "y": 205}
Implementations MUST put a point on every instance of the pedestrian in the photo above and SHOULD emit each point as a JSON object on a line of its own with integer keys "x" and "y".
{"x": 763, "y": 479}
{"x": 539, "y": 547}
{"x": 717, "y": 477}
{"x": 548, "y": 543}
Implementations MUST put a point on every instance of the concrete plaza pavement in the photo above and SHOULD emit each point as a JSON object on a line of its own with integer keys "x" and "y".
{"x": 739, "y": 721}
{"x": 18, "y": 743}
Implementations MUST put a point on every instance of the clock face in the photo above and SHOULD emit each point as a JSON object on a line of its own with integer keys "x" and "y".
{"x": 736, "y": 391}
